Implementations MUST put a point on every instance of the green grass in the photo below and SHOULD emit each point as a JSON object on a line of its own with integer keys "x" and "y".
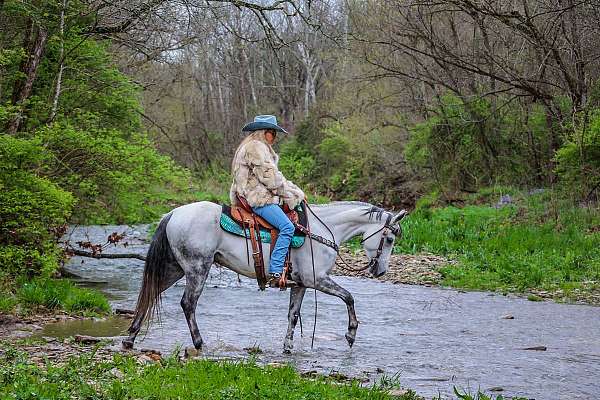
{"x": 7, "y": 302}
{"x": 123, "y": 378}
{"x": 60, "y": 294}
{"x": 536, "y": 242}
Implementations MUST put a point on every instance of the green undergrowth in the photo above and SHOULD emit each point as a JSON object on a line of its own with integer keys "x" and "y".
{"x": 44, "y": 295}
{"x": 123, "y": 378}
{"x": 533, "y": 241}
{"x": 83, "y": 377}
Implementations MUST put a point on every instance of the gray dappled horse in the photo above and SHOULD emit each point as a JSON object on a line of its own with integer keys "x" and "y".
{"x": 189, "y": 239}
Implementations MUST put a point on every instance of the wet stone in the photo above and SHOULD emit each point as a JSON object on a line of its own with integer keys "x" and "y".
{"x": 87, "y": 339}
{"x": 191, "y": 352}
{"x": 536, "y": 348}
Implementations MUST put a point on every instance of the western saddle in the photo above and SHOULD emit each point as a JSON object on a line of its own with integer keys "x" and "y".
{"x": 243, "y": 214}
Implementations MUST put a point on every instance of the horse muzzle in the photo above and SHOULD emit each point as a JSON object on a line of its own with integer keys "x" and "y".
{"x": 374, "y": 268}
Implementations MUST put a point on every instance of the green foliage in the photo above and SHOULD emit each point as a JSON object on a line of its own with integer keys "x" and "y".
{"x": 579, "y": 159}
{"x": 213, "y": 183}
{"x": 540, "y": 242}
{"x": 32, "y": 209}
{"x": 467, "y": 395}
{"x": 53, "y": 294}
{"x": 341, "y": 162}
{"x": 296, "y": 162}
{"x": 83, "y": 378}
{"x": 469, "y": 145}
{"x": 7, "y": 302}
{"x": 114, "y": 179}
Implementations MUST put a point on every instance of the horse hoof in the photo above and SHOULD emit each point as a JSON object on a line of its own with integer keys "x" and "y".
{"x": 127, "y": 344}
{"x": 287, "y": 351}
{"x": 350, "y": 340}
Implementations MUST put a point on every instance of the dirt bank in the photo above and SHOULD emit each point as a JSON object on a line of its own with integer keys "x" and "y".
{"x": 419, "y": 269}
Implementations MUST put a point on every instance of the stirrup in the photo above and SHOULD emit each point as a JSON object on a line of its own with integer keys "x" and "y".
{"x": 273, "y": 280}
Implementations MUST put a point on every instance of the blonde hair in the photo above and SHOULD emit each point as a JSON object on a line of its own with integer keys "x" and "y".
{"x": 256, "y": 135}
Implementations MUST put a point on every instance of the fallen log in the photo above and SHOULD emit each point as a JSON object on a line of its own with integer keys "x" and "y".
{"x": 84, "y": 253}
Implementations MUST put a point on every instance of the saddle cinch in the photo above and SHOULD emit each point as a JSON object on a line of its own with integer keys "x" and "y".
{"x": 242, "y": 221}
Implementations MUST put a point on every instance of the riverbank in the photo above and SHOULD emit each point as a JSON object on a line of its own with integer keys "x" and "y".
{"x": 428, "y": 270}
{"x": 537, "y": 244}
{"x": 81, "y": 366}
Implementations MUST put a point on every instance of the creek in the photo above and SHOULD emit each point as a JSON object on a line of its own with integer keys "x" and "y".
{"x": 429, "y": 338}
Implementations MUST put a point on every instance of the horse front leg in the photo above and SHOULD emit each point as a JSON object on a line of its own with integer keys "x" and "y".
{"x": 328, "y": 286}
{"x": 296, "y": 297}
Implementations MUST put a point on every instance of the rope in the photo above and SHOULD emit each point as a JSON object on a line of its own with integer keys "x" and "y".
{"x": 312, "y": 256}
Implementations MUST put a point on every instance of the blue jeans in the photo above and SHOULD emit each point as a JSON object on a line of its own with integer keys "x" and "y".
{"x": 276, "y": 217}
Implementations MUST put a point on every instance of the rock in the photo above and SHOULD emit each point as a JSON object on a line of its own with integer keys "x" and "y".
{"x": 397, "y": 392}
{"x": 508, "y": 316}
{"x": 338, "y": 376}
{"x": 20, "y": 334}
{"x": 504, "y": 201}
{"x": 310, "y": 374}
{"x": 84, "y": 339}
{"x": 191, "y": 352}
{"x": 536, "y": 348}
{"x": 144, "y": 359}
{"x": 276, "y": 364}
{"x": 379, "y": 370}
{"x": 496, "y": 389}
{"x": 117, "y": 373}
{"x": 124, "y": 311}
{"x": 253, "y": 350}
{"x": 150, "y": 351}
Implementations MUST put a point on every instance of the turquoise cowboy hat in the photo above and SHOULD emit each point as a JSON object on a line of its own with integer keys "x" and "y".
{"x": 263, "y": 122}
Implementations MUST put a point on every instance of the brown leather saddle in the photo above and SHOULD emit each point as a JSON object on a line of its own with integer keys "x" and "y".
{"x": 243, "y": 214}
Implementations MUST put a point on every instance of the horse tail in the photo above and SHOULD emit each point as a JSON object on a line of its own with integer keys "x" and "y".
{"x": 159, "y": 254}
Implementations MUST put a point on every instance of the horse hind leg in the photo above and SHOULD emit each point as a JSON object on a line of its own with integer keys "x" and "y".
{"x": 296, "y": 297}
{"x": 328, "y": 286}
{"x": 173, "y": 273}
{"x": 195, "y": 279}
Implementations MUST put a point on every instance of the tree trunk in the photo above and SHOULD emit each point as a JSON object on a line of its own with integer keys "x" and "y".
{"x": 61, "y": 63}
{"x": 22, "y": 90}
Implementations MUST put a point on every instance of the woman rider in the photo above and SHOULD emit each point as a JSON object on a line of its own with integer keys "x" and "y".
{"x": 257, "y": 179}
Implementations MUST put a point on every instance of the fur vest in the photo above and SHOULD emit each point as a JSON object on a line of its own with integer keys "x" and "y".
{"x": 257, "y": 178}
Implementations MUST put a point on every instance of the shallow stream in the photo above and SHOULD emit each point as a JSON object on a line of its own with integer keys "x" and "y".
{"x": 429, "y": 338}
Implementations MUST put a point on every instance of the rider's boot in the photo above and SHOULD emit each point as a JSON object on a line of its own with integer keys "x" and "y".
{"x": 273, "y": 279}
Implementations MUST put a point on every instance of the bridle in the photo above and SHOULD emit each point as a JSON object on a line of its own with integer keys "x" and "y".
{"x": 387, "y": 228}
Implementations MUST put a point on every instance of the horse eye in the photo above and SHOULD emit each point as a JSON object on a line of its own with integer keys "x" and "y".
{"x": 390, "y": 239}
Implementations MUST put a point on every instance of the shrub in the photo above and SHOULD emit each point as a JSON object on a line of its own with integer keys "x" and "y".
{"x": 579, "y": 159}
{"x": 32, "y": 210}
{"x": 114, "y": 179}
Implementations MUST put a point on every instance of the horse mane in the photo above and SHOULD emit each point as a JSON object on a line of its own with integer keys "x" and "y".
{"x": 374, "y": 212}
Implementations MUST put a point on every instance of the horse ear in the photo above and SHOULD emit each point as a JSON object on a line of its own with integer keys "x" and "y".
{"x": 398, "y": 217}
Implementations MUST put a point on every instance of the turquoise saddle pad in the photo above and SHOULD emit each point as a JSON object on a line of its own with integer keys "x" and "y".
{"x": 229, "y": 225}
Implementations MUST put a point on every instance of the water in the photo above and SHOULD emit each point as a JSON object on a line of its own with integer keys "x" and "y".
{"x": 432, "y": 339}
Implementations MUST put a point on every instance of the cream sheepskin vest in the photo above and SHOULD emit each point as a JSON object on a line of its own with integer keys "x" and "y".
{"x": 257, "y": 178}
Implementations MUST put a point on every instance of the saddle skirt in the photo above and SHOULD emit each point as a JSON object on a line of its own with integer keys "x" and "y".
{"x": 229, "y": 224}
